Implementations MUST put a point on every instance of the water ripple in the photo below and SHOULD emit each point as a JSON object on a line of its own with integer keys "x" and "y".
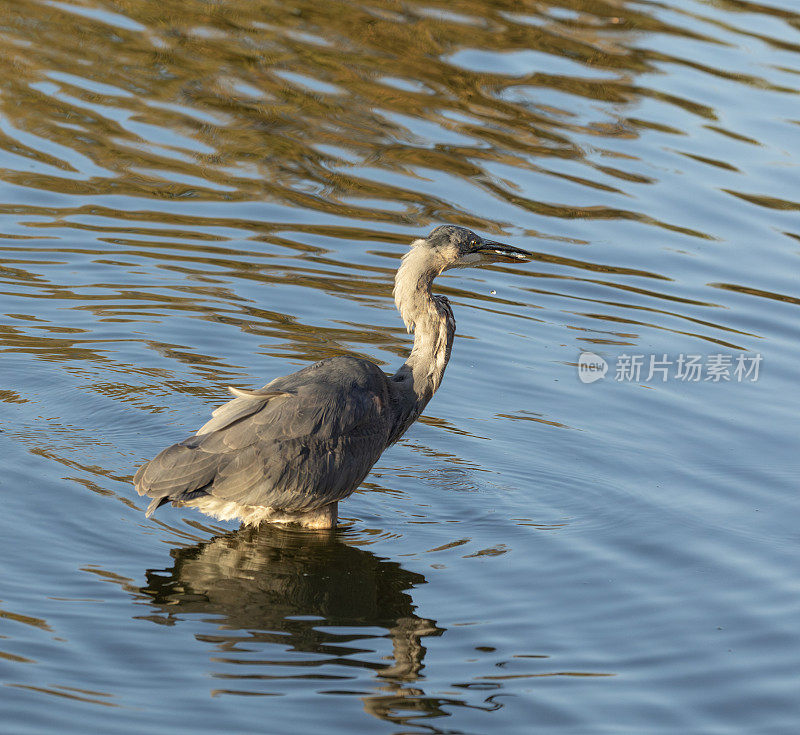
{"x": 195, "y": 195}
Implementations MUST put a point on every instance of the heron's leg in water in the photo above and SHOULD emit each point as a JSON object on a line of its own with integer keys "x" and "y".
{"x": 324, "y": 517}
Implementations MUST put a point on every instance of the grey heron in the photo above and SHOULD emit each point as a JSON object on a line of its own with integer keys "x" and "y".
{"x": 290, "y": 451}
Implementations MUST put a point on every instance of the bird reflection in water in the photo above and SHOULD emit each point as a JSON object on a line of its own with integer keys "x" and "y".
{"x": 272, "y": 586}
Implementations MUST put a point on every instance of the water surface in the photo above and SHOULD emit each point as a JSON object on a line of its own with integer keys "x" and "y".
{"x": 197, "y": 195}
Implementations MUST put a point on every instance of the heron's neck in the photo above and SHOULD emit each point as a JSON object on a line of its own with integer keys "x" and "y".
{"x": 432, "y": 322}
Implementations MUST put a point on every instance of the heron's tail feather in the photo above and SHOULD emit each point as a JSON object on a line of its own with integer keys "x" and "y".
{"x": 155, "y": 504}
{"x": 179, "y": 473}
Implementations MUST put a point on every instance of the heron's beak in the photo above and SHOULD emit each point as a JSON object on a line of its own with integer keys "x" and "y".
{"x": 499, "y": 251}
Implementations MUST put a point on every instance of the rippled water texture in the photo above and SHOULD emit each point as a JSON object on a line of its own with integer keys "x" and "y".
{"x": 196, "y": 194}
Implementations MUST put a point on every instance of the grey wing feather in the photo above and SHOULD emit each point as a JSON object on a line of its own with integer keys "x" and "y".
{"x": 192, "y": 465}
{"x": 246, "y": 403}
{"x": 303, "y": 441}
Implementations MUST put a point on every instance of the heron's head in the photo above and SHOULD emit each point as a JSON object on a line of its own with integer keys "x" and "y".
{"x": 458, "y": 247}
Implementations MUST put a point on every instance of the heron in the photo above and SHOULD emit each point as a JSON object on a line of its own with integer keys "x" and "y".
{"x": 287, "y": 453}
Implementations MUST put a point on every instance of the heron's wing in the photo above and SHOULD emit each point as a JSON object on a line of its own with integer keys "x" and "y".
{"x": 311, "y": 441}
{"x": 185, "y": 468}
{"x": 245, "y": 404}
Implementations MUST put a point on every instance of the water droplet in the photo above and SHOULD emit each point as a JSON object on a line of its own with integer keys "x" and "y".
{"x": 493, "y": 292}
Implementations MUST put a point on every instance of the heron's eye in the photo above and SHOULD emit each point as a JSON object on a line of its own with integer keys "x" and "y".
{"x": 473, "y": 242}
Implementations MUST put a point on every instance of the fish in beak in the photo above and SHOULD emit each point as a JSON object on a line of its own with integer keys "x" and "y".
{"x": 498, "y": 252}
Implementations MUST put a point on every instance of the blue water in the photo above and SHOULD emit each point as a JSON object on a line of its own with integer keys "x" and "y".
{"x": 194, "y": 196}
